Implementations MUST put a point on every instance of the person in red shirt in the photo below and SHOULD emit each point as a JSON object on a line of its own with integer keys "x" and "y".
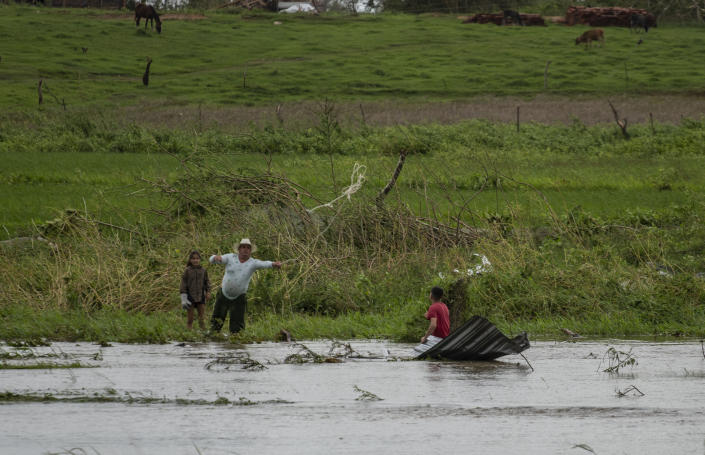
{"x": 439, "y": 321}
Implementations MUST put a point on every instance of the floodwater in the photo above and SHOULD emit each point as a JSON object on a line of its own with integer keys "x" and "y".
{"x": 216, "y": 398}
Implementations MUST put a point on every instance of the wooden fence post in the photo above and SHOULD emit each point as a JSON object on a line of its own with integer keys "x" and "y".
{"x": 545, "y": 75}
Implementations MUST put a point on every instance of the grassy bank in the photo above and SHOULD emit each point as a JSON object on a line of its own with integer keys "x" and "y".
{"x": 582, "y": 227}
{"x": 29, "y": 327}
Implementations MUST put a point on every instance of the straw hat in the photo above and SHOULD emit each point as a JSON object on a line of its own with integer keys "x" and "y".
{"x": 246, "y": 241}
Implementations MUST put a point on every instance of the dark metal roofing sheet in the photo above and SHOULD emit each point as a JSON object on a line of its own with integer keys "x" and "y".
{"x": 477, "y": 339}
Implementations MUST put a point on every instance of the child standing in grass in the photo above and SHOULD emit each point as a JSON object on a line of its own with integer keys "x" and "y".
{"x": 195, "y": 289}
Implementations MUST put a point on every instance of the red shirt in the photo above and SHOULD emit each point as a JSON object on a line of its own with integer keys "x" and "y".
{"x": 439, "y": 310}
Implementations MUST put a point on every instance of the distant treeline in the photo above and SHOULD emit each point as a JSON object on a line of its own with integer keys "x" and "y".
{"x": 677, "y": 11}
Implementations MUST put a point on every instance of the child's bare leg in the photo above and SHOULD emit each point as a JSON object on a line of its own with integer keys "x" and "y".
{"x": 189, "y": 317}
{"x": 201, "y": 316}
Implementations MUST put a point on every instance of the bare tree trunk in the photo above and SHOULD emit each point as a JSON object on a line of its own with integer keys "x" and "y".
{"x": 145, "y": 76}
{"x": 400, "y": 164}
{"x": 545, "y": 75}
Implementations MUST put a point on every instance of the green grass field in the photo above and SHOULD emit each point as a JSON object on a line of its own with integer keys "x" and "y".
{"x": 608, "y": 180}
{"x": 337, "y": 57}
{"x": 577, "y": 220}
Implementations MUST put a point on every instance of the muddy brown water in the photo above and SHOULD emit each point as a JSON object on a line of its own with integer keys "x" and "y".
{"x": 198, "y": 399}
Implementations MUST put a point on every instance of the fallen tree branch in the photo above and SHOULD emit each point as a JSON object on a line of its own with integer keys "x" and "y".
{"x": 621, "y": 123}
{"x": 631, "y": 388}
{"x": 400, "y": 164}
{"x": 527, "y": 362}
{"x": 112, "y": 226}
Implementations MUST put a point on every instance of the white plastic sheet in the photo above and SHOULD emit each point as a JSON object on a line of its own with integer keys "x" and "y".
{"x": 299, "y": 8}
{"x": 484, "y": 267}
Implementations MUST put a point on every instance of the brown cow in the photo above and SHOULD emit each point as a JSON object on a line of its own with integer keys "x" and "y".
{"x": 591, "y": 35}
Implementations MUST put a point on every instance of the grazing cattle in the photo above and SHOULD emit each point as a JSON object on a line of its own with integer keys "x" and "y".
{"x": 147, "y": 12}
{"x": 591, "y": 35}
{"x": 513, "y": 15}
{"x": 637, "y": 21}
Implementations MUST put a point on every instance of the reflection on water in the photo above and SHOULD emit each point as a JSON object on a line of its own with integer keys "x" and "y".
{"x": 225, "y": 399}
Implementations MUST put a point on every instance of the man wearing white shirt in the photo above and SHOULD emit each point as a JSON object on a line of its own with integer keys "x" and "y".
{"x": 232, "y": 296}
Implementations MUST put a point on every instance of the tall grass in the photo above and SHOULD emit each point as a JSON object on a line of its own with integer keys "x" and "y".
{"x": 368, "y": 265}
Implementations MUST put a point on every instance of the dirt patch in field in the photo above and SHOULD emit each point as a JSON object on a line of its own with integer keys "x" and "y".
{"x": 670, "y": 109}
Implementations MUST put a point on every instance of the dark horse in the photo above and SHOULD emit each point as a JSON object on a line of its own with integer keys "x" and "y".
{"x": 149, "y": 14}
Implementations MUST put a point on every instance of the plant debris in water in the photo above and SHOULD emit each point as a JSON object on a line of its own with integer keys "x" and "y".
{"x": 242, "y": 359}
{"x": 29, "y": 343}
{"x": 17, "y": 359}
{"x": 365, "y": 395}
{"x": 617, "y": 360}
{"x": 693, "y": 374}
{"x": 584, "y": 447}
{"x": 43, "y": 366}
{"x": 305, "y": 355}
{"x": 74, "y": 451}
{"x": 631, "y": 389}
{"x": 110, "y": 397}
{"x": 337, "y": 353}
{"x": 26, "y": 352}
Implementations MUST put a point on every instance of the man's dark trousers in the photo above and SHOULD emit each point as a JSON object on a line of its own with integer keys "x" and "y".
{"x": 236, "y": 307}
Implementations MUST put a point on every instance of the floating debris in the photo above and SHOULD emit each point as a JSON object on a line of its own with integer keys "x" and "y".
{"x": 584, "y": 447}
{"x": 27, "y": 358}
{"x": 477, "y": 339}
{"x": 631, "y": 389}
{"x": 43, "y": 366}
{"x": 339, "y": 349}
{"x": 305, "y": 355}
{"x": 30, "y": 343}
{"x": 693, "y": 374}
{"x": 617, "y": 360}
{"x": 242, "y": 359}
{"x": 365, "y": 395}
{"x": 7, "y": 397}
{"x": 337, "y": 353}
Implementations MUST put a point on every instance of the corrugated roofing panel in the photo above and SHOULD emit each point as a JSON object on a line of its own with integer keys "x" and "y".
{"x": 477, "y": 339}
